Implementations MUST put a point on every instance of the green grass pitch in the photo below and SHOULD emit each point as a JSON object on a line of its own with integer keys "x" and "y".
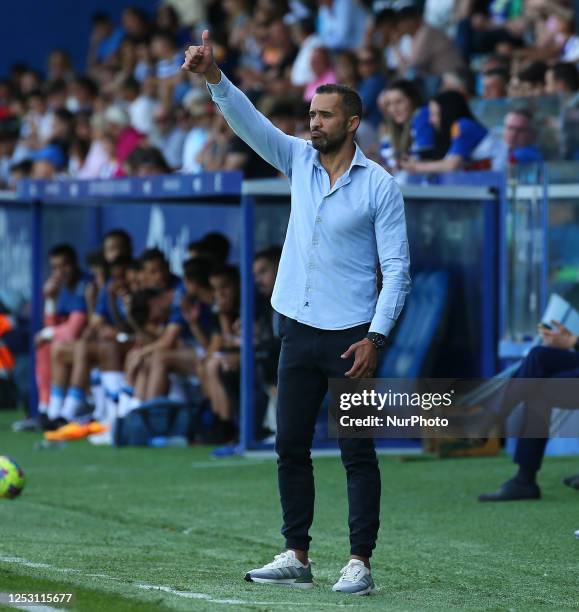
{"x": 171, "y": 529}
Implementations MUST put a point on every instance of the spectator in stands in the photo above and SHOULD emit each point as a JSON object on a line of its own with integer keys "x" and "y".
{"x": 145, "y": 161}
{"x": 303, "y": 33}
{"x": 201, "y": 114}
{"x": 495, "y": 83}
{"x": 432, "y": 52}
{"x": 341, "y": 23}
{"x": 459, "y": 80}
{"x": 168, "y": 65}
{"x": 323, "y": 70}
{"x": 371, "y": 83}
{"x": 140, "y": 103}
{"x": 65, "y": 316}
{"x": 456, "y": 135}
{"x": 118, "y": 126}
{"x": 82, "y": 94}
{"x": 136, "y": 24}
{"x": 48, "y": 162}
{"x": 406, "y": 130}
{"x": 517, "y": 146}
{"x": 105, "y": 40}
{"x": 346, "y": 68}
{"x": 167, "y": 136}
{"x": 19, "y": 171}
{"x": 59, "y": 66}
{"x": 492, "y": 25}
{"x": 562, "y": 78}
{"x": 529, "y": 82}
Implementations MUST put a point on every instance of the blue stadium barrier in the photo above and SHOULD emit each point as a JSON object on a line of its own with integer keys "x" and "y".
{"x": 451, "y": 228}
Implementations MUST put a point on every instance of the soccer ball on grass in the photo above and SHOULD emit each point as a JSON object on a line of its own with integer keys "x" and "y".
{"x": 12, "y": 478}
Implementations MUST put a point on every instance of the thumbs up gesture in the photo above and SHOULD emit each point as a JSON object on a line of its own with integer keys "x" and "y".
{"x": 199, "y": 59}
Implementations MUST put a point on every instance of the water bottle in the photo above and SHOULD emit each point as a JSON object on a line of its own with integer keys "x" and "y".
{"x": 165, "y": 441}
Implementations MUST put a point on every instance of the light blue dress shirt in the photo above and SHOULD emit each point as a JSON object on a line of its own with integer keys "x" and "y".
{"x": 336, "y": 236}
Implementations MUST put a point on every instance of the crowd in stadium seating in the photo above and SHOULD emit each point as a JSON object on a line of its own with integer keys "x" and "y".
{"x": 131, "y": 332}
{"x": 421, "y": 75}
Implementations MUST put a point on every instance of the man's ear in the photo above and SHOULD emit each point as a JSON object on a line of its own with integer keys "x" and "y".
{"x": 354, "y": 123}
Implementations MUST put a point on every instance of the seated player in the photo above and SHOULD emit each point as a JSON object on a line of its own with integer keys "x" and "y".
{"x": 191, "y": 329}
{"x": 220, "y": 379}
{"x": 65, "y": 316}
{"x": 104, "y": 344}
{"x": 155, "y": 274}
{"x": 267, "y": 342}
{"x": 97, "y": 266}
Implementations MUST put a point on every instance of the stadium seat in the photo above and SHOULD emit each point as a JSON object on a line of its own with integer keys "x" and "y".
{"x": 417, "y": 330}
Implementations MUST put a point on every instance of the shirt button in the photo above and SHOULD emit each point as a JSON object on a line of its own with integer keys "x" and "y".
{"x": 318, "y": 219}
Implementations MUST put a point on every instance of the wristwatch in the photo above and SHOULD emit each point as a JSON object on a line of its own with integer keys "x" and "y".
{"x": 378, "y": 340}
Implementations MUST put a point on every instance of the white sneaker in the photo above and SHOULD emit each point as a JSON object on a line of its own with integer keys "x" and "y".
{"x": 356, "y": 579}
{"x": 285, "y": 569}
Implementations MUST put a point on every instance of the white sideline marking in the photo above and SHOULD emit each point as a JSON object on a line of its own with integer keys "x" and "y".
{"x": 219, "y": 463}
{"x": 164, "y": 589}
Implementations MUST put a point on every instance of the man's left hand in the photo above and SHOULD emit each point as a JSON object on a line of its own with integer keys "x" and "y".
{"x": 365, "y": 359}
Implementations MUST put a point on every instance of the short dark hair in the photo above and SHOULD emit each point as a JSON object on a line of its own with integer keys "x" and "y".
{"x": 64, "y": 250}
{"x": 95, "y": 259}
{"x": 271, "y": 254}
{"x": 140, "y": 305}
{"x": 534, "y": 73}
{"x": 122, "y": 261}
{"x": 198, "y": 270}
{"x": 154, "y": 254}
{"x": 567, "y": 72}
{"x": 351, "y": 100}
{"x": 231, "y": 273}
{"x": 499, "y": 72}
{"x": 123, "y": 237}
{"x": 218, "y": 245}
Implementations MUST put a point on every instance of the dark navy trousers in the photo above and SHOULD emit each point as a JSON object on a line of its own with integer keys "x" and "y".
{"x": 309, "y": 357}
{"x": 542, "y": 362}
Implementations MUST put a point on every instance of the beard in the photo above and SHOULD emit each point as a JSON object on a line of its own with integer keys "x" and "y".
{"x": 325, "y": 144}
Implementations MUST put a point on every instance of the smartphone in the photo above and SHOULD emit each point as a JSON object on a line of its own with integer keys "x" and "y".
{"x": 545, "y": 326}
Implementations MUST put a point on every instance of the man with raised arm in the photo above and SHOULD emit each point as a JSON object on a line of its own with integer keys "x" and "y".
{"x": 347, "y": 216}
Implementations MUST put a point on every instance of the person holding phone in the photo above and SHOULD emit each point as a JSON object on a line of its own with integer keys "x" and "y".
{"x": 558, "y": 357}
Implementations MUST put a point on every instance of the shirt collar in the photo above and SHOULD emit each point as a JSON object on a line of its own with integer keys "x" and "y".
{"x": 359, "y": 159}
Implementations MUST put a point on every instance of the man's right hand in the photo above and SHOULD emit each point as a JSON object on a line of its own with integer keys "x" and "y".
{"x": 200, "y": 60}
